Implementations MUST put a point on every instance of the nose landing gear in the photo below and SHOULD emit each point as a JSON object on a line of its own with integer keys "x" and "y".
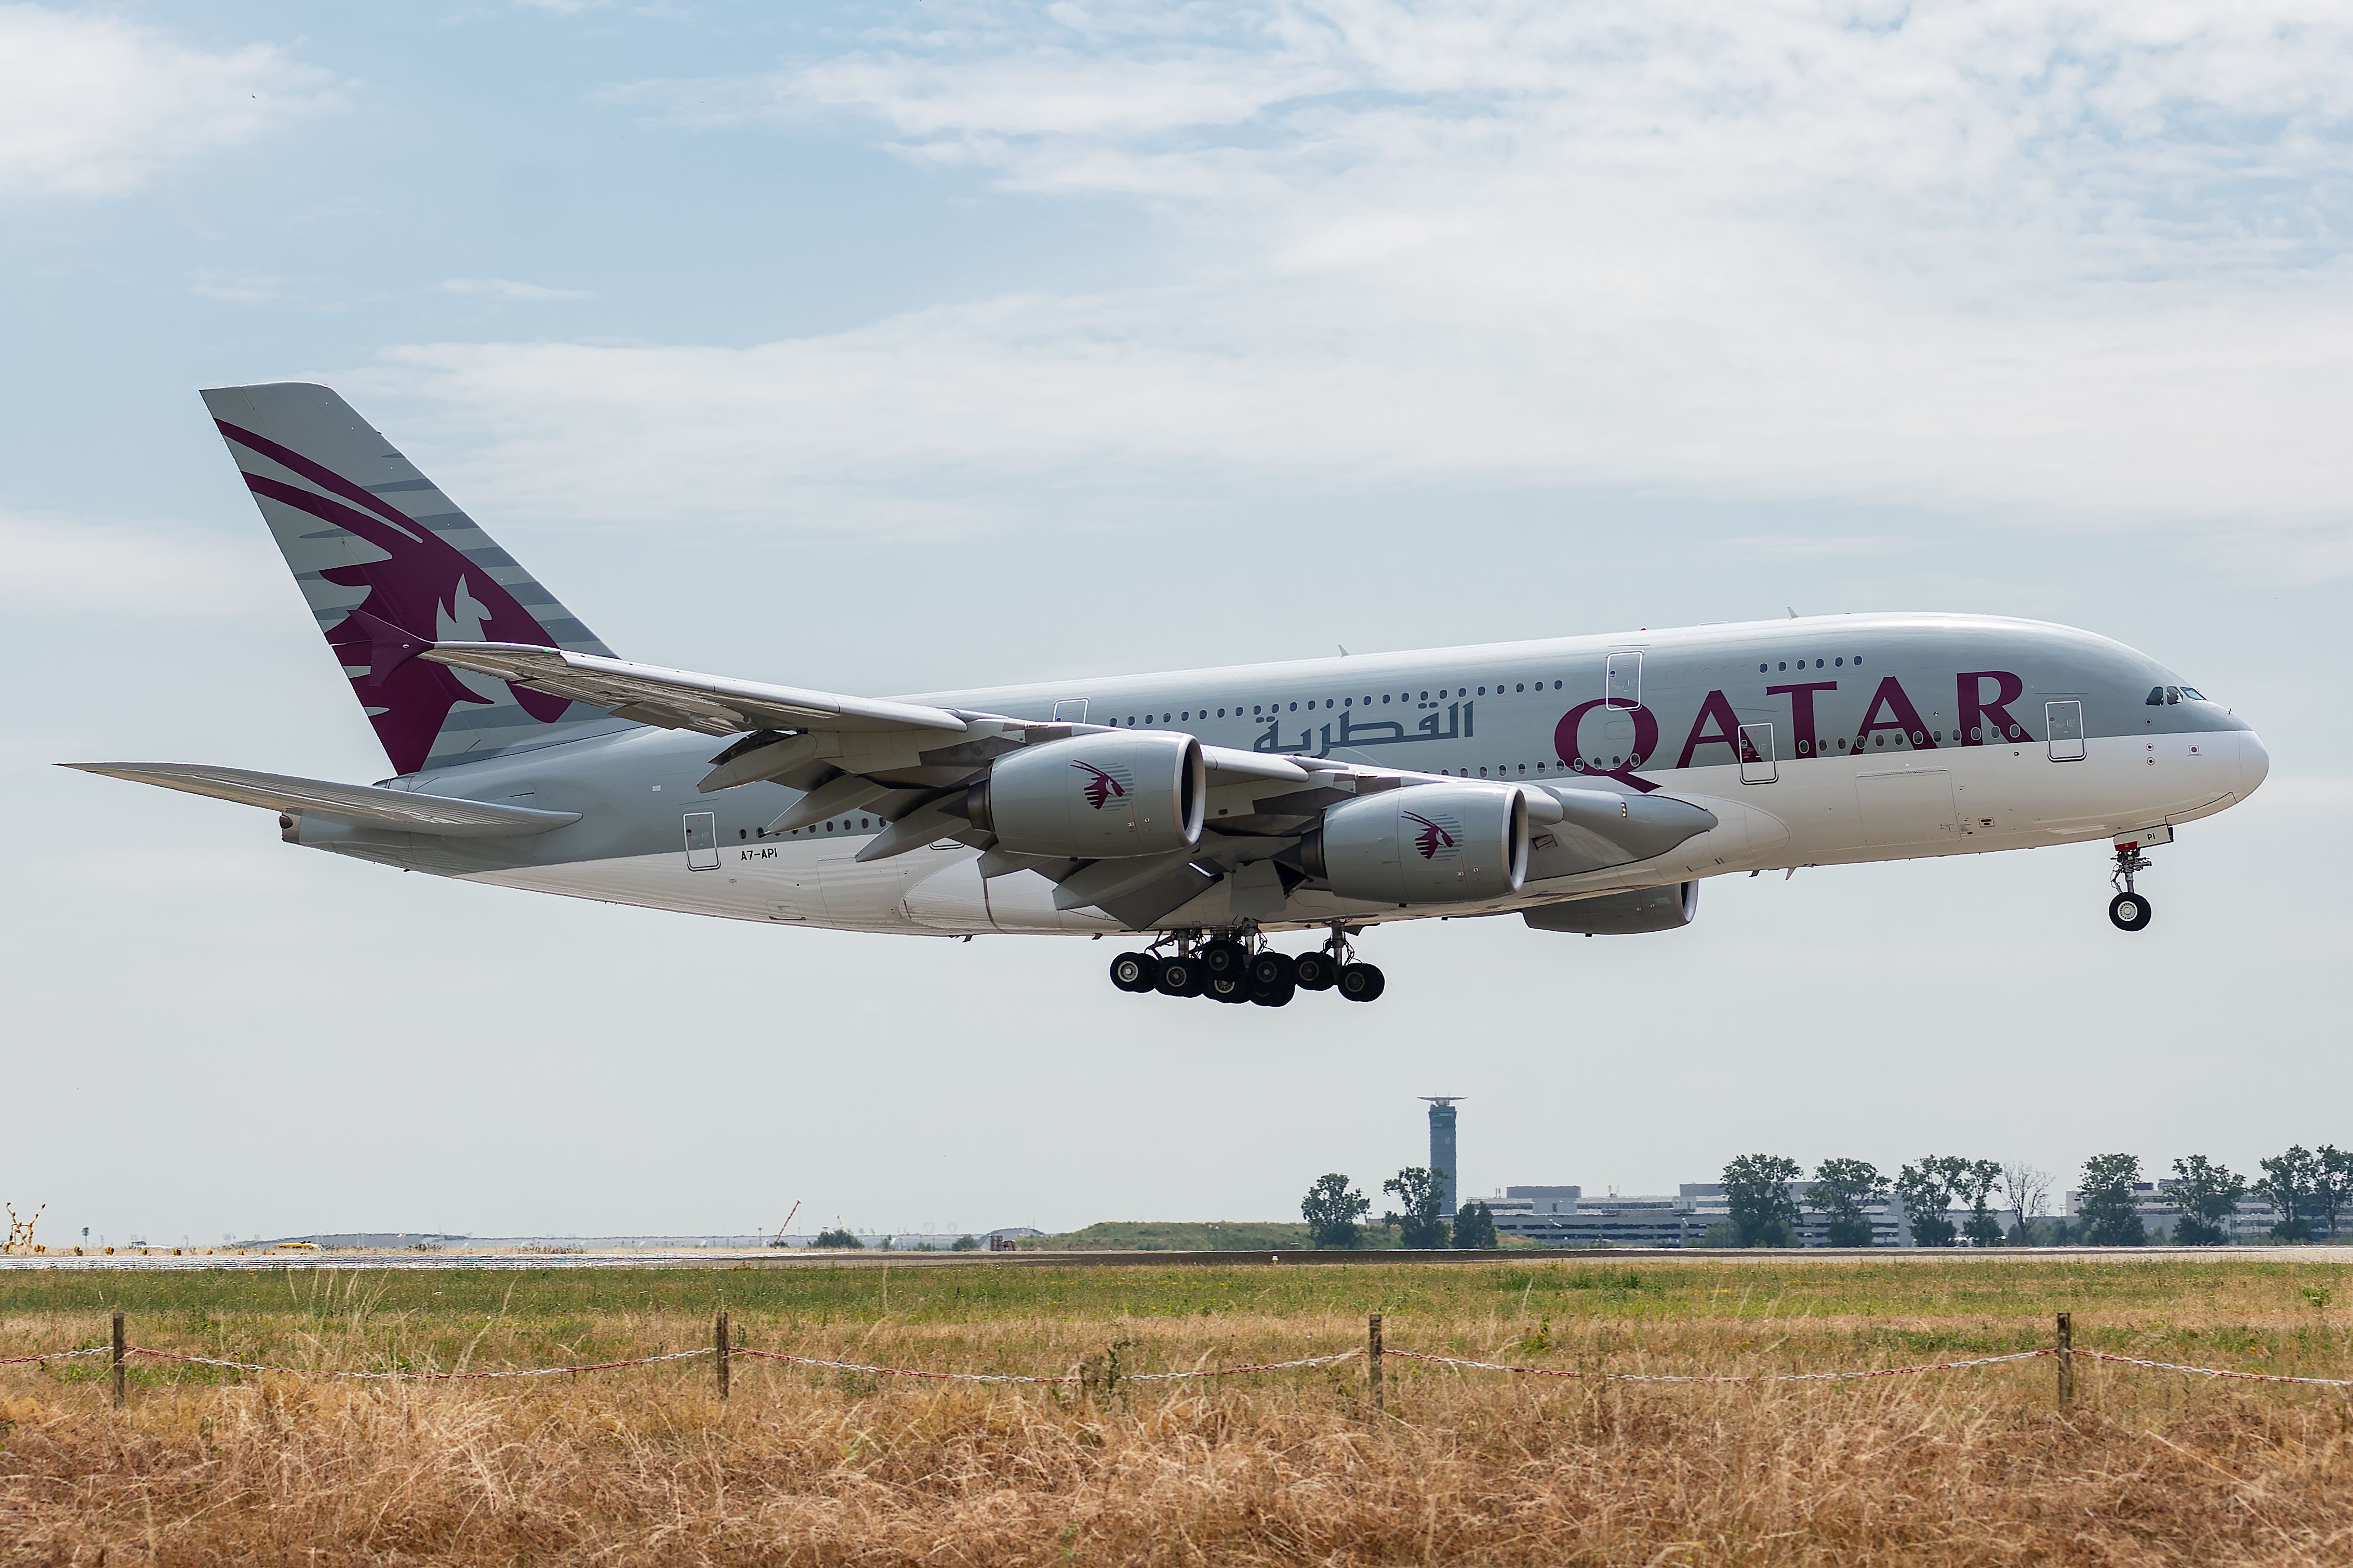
{"x": 2128, "y": 910}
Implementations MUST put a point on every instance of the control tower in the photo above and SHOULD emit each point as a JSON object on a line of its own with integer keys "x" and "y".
{"x": 1441, "y": 1149}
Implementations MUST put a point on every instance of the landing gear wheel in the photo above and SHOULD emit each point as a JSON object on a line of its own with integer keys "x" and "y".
{"x": 1278, "y": 996}
{"x": 1361, "y": 982}
{"x": 2130, "y": 911}
{"x": 1316, "y": 971}
{"x": 1273, "y": 971}
{"x": 1225, "y": 956}
{"x": 1231, "y": 988}
{"x": 1132, "y": 972}
{"x": 1177, "y": 977}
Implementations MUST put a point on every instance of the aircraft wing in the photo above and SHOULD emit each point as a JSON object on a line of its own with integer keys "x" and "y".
{"x": 402, "y": 811}
{"x": 681, "y": 699}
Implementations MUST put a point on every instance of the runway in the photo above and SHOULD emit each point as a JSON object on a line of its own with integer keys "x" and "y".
{"x": 799, "y": 1257}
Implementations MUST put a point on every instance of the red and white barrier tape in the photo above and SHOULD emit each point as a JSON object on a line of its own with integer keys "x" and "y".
{"x": 901, "y": 1371}
{"x": 415, "y": 1376}
{"x": 1067, "y": 1378}
{"x": 1335, "y": 1357}
{"x": 2217, "y": 1372}
{"x": 1718, "y": 1377}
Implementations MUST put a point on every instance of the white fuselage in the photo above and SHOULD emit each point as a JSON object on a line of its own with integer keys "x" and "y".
{"x": 1839, "y": 781}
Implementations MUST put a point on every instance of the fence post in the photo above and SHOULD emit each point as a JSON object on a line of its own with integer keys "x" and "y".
{"x": 1373, "y": 1358}
{"x": 719, "y": 1339}
{"x": 118, "y": 1361}
{"x": 2066, "y": 1359}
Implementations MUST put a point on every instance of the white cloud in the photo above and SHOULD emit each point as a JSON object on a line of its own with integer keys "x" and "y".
{"x": 94, "y": 105}
{"x": 507, "y": 288}
{"x": 2074, "y": 263}
{"x": 61, "y": 567}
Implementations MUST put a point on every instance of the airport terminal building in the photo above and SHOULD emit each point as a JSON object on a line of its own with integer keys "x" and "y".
{"x": 1564, "y": 1217}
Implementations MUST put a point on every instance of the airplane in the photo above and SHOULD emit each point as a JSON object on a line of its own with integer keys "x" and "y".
{"x": 1587, "y": 783}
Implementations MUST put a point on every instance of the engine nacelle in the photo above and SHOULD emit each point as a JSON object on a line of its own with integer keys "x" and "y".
{"x": 1425, "y": 843}
{"x": 1615, "y": 914}
{"x": 1090, "y": 797}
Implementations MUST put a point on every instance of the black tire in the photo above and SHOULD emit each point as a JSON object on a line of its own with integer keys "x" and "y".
{"x": 1362, "y": 983}
{"x": 1231, "y": 988}
{"x": 2130, "y": 912}
{"x": 1316, "y": 971}
{"x": 1132, "y": 972}
{"x": 1276, "y": 996}
{"x": 1177, "y": 977}
{"x": 1225, "y": 956}
{"x": 1273, "y": 971}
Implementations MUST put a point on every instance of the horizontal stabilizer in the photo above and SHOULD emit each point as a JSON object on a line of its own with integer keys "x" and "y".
{"x": 681, "y": 699}
{"x": 400, "y": 811}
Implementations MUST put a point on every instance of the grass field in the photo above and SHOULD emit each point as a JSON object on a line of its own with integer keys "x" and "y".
{"x": 805, "y": 1465}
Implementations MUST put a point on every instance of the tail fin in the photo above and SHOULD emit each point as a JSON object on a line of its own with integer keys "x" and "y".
{"x": 390, "y": 566}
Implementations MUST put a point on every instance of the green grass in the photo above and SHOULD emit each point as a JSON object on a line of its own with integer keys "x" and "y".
{"x": 1176, "y": 1236}
{"x": 61, "y": 1306}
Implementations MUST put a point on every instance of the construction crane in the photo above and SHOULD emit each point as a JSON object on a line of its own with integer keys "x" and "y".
{"x": 779, "y": 1240}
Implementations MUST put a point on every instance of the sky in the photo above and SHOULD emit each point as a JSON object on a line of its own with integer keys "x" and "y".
{"x": 897, "y": 347}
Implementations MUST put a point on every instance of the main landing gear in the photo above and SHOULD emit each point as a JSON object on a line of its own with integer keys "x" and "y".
{"x": 2128, "y": 910}
{"x": 1235, "y": 967}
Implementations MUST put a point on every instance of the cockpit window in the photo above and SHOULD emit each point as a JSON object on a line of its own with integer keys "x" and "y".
{"x": 2163, "y": 696}
{"x": 2192, "y": 693}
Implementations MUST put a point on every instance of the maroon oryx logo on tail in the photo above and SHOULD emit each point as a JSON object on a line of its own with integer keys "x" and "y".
{"x": 1102, "y": 783}
{"x": 1432, "y": 838}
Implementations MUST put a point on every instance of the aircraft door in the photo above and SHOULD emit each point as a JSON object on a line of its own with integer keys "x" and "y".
{"x": 702, "y": 841}
{"x": 1621, "y": 681}
{"x": 1070, "y": 711}
{"x": 1758, "y": 763}
{"x": 2064, "y": 723}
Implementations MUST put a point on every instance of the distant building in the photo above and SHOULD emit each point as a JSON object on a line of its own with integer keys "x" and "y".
{"x": 1564, "y": 1217}
{"x": 2159, "y": 1213}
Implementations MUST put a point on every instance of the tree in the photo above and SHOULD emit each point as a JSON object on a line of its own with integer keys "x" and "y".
{"x": 2288, "y": 1184}
{"x": 1422, "y": 1226}
{"x": 2028, "y": 1189}
{"x": 1332, "y": 1211}
{"x": 1842, "y": 1188}
{"x": 837, "y": 1238}
{"x": 1974, "y": 1181}
{"x": 1757, "y": 1190}
{"x": 967, "y": 1244}
{"x": 2108, "y": 1208}
{"x": 2332, "y": 1186}
{"x": 1925, "y": 1190}
{"x": 2207, "y": 1195}
{"x": 1474, "y": 1227}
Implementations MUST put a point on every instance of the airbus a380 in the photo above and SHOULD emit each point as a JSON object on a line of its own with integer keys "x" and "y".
{"x": 1588, "y": 784}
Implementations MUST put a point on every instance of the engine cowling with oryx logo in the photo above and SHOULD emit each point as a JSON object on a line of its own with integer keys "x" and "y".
{"x": 1092, "y": 797}
{"x": 1424, "y": 844}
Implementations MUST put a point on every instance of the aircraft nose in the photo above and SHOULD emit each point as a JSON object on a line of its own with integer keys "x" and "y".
{"x": 2254, "y": 763}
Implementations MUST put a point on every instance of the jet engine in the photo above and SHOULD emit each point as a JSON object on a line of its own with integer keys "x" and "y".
{"x": 1613, "y": 914}
{"x": 1425, "y": 843}
{"x": 1095, "y": 796}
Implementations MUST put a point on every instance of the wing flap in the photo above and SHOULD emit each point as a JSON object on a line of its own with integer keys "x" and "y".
{"x": 402, "y": 811}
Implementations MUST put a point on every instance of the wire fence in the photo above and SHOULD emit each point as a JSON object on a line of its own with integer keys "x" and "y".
{"x": 1373, "y": 1353}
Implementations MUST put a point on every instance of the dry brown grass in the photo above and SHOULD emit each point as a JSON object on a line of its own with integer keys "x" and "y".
{"x": 809, "y": 1467}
